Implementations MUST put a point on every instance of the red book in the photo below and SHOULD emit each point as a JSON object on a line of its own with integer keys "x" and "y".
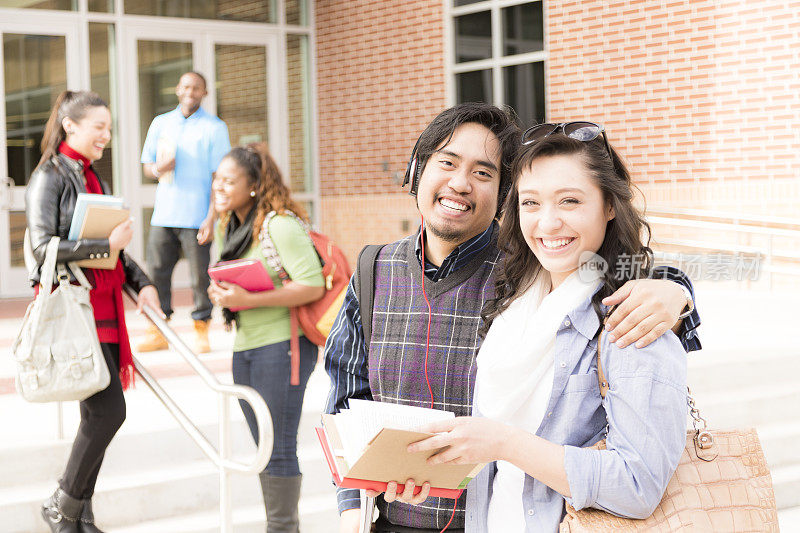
{"x": 249, "y": 274}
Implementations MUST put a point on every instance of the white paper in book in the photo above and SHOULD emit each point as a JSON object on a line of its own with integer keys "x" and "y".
{"x": 365, "y": 419}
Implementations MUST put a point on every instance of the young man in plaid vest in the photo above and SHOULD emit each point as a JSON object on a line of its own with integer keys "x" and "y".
{"x": 460, "y": 173}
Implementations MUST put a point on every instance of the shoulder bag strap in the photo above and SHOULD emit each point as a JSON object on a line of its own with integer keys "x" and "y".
{"x": 365, "y": 288}
{"x": 46, "y": 279}
{"x": 703, "y": 439}
{"x": 79, "y": 275}
{"x": 601, "y": 377}
{"x": 273, "y": 259}
{"x": 47, "y": 273}
{"x": 269, "y": 249}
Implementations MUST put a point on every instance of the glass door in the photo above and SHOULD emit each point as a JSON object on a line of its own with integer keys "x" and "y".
{"x": 242, "y": 71}
{"x": 39, "y": 61}
{"x": 249, "y": 91}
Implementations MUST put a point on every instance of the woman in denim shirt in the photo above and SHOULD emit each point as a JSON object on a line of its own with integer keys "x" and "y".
{"x": 572, "y": 237}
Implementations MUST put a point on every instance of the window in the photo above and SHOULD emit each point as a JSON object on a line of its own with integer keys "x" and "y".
{"x": 247, "y": 11}
{"x": 498, "y": 55}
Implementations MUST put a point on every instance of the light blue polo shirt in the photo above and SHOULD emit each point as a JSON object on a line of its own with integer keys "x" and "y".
{"x": 202, "y": 141}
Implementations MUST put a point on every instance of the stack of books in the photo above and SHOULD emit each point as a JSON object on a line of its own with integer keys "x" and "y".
{"x": 95, "y": 216}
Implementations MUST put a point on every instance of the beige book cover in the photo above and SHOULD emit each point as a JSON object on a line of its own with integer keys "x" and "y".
{"x": 386, "y": 459}
{"x": 98, "y": 224}
{"x": 166, "y": 149}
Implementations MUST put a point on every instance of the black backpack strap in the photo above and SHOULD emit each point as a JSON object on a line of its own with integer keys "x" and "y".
{"x": 365, "y": 287}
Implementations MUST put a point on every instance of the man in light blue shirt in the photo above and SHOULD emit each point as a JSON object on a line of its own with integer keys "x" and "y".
{"x": 182, "y": 151}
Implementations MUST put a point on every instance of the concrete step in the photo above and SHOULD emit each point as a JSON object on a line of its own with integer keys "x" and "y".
{"x": 153, "y": 470}
{"x": 154, "y": 494}
{"x": 751, "y": 407}
{"x": 735, "y": 369}
{"x": 124, "y": 500}
{"x": 789, "y": 519}
{"x": 44, "y": 461}
{"x": 317, "y": 515}
{"x": 786, "y": 481}
{"x": 780, "y": 442}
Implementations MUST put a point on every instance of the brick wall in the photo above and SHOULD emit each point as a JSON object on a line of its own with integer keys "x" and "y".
{"x": 380, "y": 73}
{"x": 702, "y": 96}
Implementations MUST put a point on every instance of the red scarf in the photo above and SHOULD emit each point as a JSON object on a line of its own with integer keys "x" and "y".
{"x": 106, "y": 294}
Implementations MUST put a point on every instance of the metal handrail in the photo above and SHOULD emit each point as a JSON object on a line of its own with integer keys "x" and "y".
{"x": 220, "y": 457}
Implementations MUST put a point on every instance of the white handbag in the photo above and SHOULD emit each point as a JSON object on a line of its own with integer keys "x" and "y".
{"x": 57, "y": 351}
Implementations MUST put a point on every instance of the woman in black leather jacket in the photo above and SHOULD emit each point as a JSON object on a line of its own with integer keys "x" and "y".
{"x": 78, "y": 129}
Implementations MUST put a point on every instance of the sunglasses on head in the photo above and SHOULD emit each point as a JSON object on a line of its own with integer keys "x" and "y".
{"x": 579, "y": 130}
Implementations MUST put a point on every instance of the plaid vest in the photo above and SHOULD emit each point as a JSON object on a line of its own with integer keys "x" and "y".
{"x": 397, "y": 349}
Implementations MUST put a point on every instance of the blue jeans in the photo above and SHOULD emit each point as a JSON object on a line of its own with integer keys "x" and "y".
{"x": 266, "y": 369}
{"x": 163, "y": 251}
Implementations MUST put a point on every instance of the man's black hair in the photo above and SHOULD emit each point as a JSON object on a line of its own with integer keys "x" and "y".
{"x": 195, "y": 73}
{"x": 500, "y": 121}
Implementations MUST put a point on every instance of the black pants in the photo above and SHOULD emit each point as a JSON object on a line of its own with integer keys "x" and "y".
{"x": 102, "y": 414}
{"x": 384, "y": 526}
{"x": 163, "y": 251}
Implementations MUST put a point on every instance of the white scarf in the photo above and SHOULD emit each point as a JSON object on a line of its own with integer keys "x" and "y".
{"x": 515, "y": 376}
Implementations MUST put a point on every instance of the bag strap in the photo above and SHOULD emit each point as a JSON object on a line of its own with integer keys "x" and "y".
{"x": 294, "y": 347}
{"x": 703, "y": 439}
{"x": 269, "y": 250}
{"x": 271, "y": 254}
{"x": 79, "y": 275}
{"x": 47, "y": 273}
{"x": 48, "y": 270}
{"x": 601, "y": 377}
{"x": 273, "y": 259}
{"x": 365, "y": 288}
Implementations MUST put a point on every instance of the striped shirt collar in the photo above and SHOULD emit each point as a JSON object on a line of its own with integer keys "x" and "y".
{"x": 457, "y": 258}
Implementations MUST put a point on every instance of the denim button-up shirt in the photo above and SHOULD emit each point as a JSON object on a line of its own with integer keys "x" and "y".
{"x": 646, "y": 415}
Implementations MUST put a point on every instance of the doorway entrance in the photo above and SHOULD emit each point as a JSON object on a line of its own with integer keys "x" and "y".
{"x": 39, "y": 61}
{"x": 135, "y": 63}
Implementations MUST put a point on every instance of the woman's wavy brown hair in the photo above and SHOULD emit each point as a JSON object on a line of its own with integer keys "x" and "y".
{"x": 271, "y": 193}
{"x": 627, "y": 234}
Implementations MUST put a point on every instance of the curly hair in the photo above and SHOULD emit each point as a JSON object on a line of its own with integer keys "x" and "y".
{"x": 272, "y": 194}
{"x": 627, "y": 234}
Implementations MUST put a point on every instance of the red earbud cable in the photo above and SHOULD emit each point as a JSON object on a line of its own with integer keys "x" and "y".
{"x": 428, "y": 343}
{"x": 430, "y": 313}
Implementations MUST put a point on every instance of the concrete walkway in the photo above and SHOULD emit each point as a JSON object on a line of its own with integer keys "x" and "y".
{"x": 736, "y": 325}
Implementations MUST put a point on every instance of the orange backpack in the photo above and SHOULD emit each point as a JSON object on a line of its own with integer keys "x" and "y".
{"x": 315, "y": 318}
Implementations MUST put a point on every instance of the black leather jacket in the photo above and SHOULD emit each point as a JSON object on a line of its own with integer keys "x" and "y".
{"x": 49, "y": 203}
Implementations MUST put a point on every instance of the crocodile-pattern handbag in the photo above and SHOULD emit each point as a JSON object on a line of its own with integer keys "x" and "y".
{"x": 722, "y": 484}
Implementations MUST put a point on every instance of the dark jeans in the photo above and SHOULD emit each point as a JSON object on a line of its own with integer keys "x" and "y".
{"x": 102, "y": 414}
{"x": 266, "y": 369}
{"x": 163, "y": 251}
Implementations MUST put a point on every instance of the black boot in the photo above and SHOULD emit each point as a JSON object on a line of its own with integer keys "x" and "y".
{"x": 281, "y": 495}
{"x": 61, "y": 512}
{"x": 87, "y": 518}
